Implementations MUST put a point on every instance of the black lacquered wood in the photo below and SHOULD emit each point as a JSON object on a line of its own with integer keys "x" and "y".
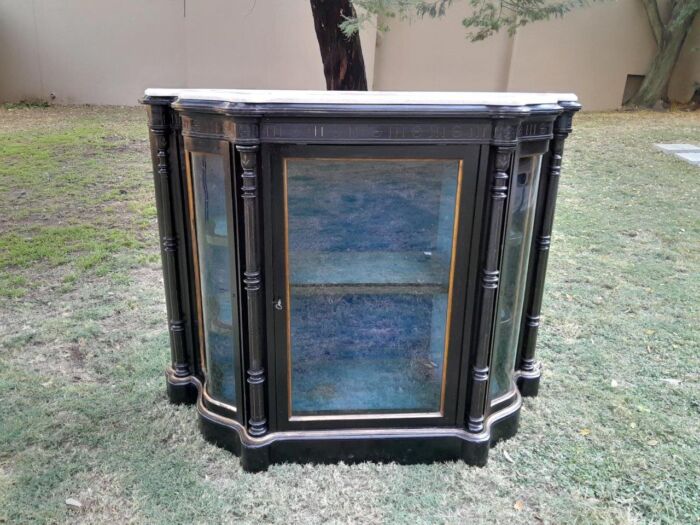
{"x": 206, "y": 368}
{"x": 470, "y": 158}
{"x": 527, "y": 366}
{"x": 488, "y": 290}
{"x": 253, "y": 286}
{"x": 166, "y": 180}
{"x": 254, "y": 138}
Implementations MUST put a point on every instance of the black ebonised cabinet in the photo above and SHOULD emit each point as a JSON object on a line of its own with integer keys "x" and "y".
{"x": 355, "y": 276}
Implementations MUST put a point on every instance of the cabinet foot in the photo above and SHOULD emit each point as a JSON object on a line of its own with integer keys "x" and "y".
{"x": 181, "y": 390}
{"x": 529, "y": 382}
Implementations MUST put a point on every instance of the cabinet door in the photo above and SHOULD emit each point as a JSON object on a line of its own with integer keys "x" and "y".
{"x": 211, "y": 210}
{"x": 371, "y": 252}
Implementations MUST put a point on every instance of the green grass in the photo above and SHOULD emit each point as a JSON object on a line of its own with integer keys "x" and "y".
{"x": 55, "y": 245}
{"x": 612, "y": 438}
{"x": 75, "y": 187}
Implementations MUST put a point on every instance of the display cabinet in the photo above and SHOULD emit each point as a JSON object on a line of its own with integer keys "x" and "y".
{"x": 355, "y": 275}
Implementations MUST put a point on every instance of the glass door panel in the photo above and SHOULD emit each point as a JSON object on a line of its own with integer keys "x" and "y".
{"x": 516, "y": 253}
{"x": 210, "y": 195}
{"x": 370, "y": 248}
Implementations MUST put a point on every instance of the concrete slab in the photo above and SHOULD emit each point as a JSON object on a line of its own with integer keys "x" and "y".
{"x": 692, "y": 157}
{"x": 675, "y": 148}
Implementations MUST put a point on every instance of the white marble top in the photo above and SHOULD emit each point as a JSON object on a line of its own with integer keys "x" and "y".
{"x": 254, "y": 96}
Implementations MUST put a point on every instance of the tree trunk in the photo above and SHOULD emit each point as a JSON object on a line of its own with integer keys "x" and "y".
{"x": 343, "y": 64}
{"x": 676, "y": 30}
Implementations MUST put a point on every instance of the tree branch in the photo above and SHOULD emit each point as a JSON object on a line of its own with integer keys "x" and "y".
{"x": 654, "y": 17}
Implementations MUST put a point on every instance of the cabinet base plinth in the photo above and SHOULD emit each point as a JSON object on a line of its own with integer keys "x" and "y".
{"x": 529, "y": 382}
{"x": 400, "y": 445}
{"x": 181, "y": 390}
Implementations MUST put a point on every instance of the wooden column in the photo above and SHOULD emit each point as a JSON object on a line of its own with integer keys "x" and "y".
{"x": 253, "y": 285}
{"x": 528, "y": 366}
{"x": 163, "y": 150}
{"x": 499, "y": 179}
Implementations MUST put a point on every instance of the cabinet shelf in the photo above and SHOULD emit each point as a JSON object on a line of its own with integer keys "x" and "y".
{"x": 369, "y": 272}
{"x": 216, "y": 240}
{"x": 217, "y": 233}
{"x": 220, "y": 319}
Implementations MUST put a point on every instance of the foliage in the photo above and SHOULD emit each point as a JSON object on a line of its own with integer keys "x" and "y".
{"x": 488, "y": 16}
{"x": 670, "y": 30}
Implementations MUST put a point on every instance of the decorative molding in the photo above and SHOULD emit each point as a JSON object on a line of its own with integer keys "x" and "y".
{"x": 243, "y": 131}
{"x": 175, "y": 121}
{"x": 505, "y": 131}
{"x": 202, "y": 126}
{"x": 536, "y": 130}
{"x": 351, "y": 444}
{"x": 253, "y": 285}
{"x": 247, "y": 130}
{"x": 412, "y": 99}
{"x": 488, "y": 290}
{"x": 323, "y": 131}
{"x": 564, "y": 123}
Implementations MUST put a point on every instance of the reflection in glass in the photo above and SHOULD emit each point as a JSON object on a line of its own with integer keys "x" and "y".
{"x": 370, "y": 248}
{"x": 213, "y": 244}
{"x": 516, "y": 253}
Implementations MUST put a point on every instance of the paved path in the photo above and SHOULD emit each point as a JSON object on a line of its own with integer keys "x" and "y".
{"x": 687, "y": 152}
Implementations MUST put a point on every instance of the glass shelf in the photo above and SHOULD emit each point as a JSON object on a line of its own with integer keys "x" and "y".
{"x": 215, "y": 229}
{"x": 400, "y": 272}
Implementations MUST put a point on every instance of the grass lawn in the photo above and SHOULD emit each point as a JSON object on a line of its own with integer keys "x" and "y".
{"x": 614, "y": 436}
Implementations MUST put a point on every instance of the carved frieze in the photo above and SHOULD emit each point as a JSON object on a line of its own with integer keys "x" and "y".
{"x": 537, "y": 129}
{"x": 416, "y": 132}
{"x": 376, "y": 132}
{"x": 505, "y": 131}
{"x": 205, "y": 126}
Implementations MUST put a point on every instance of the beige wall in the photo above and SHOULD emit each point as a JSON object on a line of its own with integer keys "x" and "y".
{"x": 433, "y": 54}
{"x": 109, "y": 51}
{"x": 592, "y": 51}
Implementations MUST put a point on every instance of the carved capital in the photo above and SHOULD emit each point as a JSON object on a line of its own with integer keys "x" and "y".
{"x": 505, "y": 131}
{"x": 502, "y": 159}
{"x": 563, "y": 124}
{"x": 249, "y": 157}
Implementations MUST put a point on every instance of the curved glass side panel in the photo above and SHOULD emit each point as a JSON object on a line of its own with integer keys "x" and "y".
{"x": 218, "y": 299}
{"x": 370, "y": 245}
{"x": 516, "y": 253}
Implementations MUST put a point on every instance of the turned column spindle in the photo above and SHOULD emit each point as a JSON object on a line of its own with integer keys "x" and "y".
{"x": 488, "y": 287}
{"x": 161, "y": 130}
{"x": 253, "y": 286}
{"x": 528, "y": 365}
